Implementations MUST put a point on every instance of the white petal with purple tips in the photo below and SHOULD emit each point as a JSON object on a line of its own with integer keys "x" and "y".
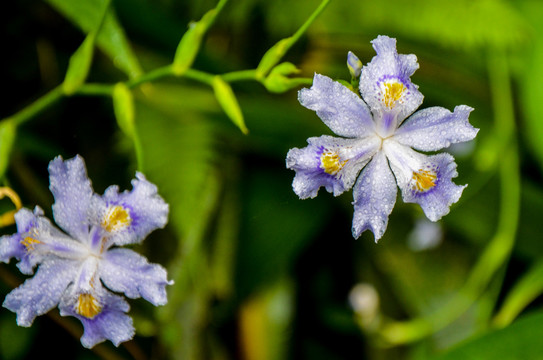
{"x": 338, "y": 107}
{"x": 436, "y": 128}
{"x": 425, "y": 180}
{"x": 73, "y": 192}
{"x": 386, "y": 86}
{"x": 330, "y": 162}
{"x": 123, "y": 270}
{"x": 374, "y": 198}
{"x": 41, "y": 293}
{"x": 111, "y": 323}
{"x": 130, "y": 216}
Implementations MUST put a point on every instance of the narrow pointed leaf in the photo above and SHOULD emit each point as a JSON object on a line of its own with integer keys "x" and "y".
{"x": 528, "y": 288}
{"x": 7, "y": 137}
{"x": 530, "y": 84}
{"x": 79, "y": 66}
{"x": 123, "y": 106}
{"x": 111, "y": 39}
{"x": 278, "y": 80}
{"x": 191, "y": 41}
{"x": 277, "y": 51}
{"x": 227, "y": 99}
{"x": 273, "y": 56}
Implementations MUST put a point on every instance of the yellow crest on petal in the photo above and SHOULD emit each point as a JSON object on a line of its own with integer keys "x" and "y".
{"x": 424, "y": 180}
{"x": 392, "y": 93}
{"x": 29, "y": 243}
{"x": 331, "y": 163}
{"x": 88, "y": 306}
{"x": 116, "y": 218}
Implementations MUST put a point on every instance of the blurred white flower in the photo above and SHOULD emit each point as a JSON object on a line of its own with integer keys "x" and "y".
{"x": 364, "y": 300}
{"x": 425, "y": 235}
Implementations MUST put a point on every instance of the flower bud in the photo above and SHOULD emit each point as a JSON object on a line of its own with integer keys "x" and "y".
{"x": 354, "y": 64}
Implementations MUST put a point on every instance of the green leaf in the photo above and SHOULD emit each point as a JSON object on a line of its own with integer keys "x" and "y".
{"x": 273, "y": 56}
{"x": 179, "y": 151}
{"x": 425, "y": 283}
{"x": 80, "y": 61}
{"x": 191, "y": 41}
{"x": 180, "y": 158}
{"x": 277, "y": 51}
{"x": 222, "y": 259}
{"x": 462, "y": 24}
{"x": 123, "y": 106}
{"x": 227, "y": 99}
{"x": 521, "y": 340}
{"x": 111, "y": 39}
{"x": 79, "y": 66}
{"x": 276, "y": 228}
{"x": 417, "y": 278}
{"x": 278, "y": 81}
{"x": 527, "y": 289}
{"x": 7, "y": 137}
{"x": 530, "y": 81}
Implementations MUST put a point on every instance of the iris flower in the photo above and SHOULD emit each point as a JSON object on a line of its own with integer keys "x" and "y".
{"x": 82, "y": 268}
{"x": 380, "y": 141}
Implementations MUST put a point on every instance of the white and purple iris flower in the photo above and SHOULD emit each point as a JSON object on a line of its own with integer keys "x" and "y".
{"x": 379, "y": 138}
{"x": 82, "y": 268}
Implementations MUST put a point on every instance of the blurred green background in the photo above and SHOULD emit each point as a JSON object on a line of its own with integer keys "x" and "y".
{"x": 260, "y": 274}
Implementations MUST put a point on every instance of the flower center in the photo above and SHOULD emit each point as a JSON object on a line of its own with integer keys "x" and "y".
{"x": 424, "y": 180}
{"x": 29, "y": 242}
{"x": 88, "y": 306}
{"x": 331, "y": 163}
{"x": 392, "y": 93}
{"x": 116, "y": 218}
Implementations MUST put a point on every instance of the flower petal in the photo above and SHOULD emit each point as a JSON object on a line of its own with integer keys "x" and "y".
{"x": 425, "y": 180}
{"x": 41, "y": 293}
{"x": 123, "y": 270}
{"x": 37, "y": 240}
{"x": 338, "y": 107}
{"x": 330, "y": 162}
{"x": 128, "y": 217}
{"x": 111, "y": 323}
{"x": 374, "y": 197}
{"x": 11, "y": 246}
{"x": 436, "y": 128}
{"x": 386, "y": 86}
{"x": 72, "y": 191}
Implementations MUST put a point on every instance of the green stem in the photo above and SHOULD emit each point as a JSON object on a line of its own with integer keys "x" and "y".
{"x": 138, "y": 148}
{"x": 220, "y": 5}
{"x": 156, "y": 74}
{"x": 499, "y": 249}
{"x": 95, "y": 90}
{"x": 37, "y": 106}
{"x": 242, "y": 75}
{"x": 528, "y": 288}
{"x": 309, "y": 21}
{"x": 57, "y": 93}
{"x": 277, "y": 51}
{"x": 303, "y": 81}
{"x": 200, "y": 76}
